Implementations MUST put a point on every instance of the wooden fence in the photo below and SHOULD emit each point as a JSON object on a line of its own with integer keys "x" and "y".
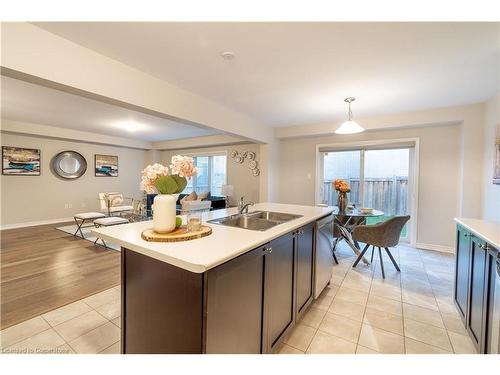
{"x": 386, "y": 194}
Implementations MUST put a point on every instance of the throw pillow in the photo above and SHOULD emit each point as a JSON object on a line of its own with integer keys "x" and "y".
{"x": 204, "y": 195}
{"x": 191, "y": 197}
{"x": 115, "y": 200}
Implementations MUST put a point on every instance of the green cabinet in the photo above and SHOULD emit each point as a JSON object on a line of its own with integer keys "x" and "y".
{"x": 477, "y": 290}
{"x": 462, "y": 270}
{"x": 472, "y": 285}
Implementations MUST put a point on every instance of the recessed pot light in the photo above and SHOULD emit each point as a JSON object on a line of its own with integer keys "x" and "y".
{"x": 227, "y": 55}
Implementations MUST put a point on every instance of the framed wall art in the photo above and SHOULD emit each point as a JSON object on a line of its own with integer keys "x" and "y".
{"x": 106, "y": 165}
{"x": 19, "y": 161}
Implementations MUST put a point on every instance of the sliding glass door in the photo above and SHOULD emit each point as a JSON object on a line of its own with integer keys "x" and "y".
{"x": 345, "y": 165}
{"x": 380, "y": 178}
{"x": 385, "y": 183}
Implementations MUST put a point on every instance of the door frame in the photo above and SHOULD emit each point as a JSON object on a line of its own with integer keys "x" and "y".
{"x": 413, "y": 173}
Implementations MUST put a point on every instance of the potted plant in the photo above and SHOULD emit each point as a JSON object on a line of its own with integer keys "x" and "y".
{"x": 168, "y": 184}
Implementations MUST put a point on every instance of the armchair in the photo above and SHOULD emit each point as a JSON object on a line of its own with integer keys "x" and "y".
{"x": 113, "y": 203}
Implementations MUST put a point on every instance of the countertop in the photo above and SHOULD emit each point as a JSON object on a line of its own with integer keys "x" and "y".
{"x": 225, "y": 243}
{"x": 487, "y": 230}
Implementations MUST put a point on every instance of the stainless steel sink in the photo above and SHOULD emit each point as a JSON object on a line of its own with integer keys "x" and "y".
{"x": 273, "y": 216}
{"x": 257, "y": 220}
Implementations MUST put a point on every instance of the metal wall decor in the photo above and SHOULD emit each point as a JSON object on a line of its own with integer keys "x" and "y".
{"x": 68, "y": 165}
{"x": 249, "y": 156}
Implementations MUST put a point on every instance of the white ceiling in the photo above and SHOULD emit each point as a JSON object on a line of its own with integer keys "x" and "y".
{"x": 26, "y": 102}
{"x": 299, "y": 73}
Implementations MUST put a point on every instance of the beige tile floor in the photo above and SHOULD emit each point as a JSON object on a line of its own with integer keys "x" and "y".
{"x": 90, "y": 326}
{"x": 407, "y": 312}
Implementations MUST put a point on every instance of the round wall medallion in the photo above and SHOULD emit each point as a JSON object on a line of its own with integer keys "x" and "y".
{"x": 238, "y": 159}
{"x": 68, "y": 165}
{"x": 256, "y": 172}
{"x": 252, "y": 164}
{"x": 251, "y": 155}
{"x": 234, "y": 153}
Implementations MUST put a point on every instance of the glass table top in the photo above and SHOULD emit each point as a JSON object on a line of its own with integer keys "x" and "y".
{"x": 356, "y": 212}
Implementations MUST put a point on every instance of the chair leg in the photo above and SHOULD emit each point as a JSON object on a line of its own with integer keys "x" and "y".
{"x": 335, "y": 257}
{"x": 360, "y": 256}
{"x": 373, "y": 250}
{"x": 381, "y": 262}
{"x": 392, "y": 258}
{"x": 335, "y": 241}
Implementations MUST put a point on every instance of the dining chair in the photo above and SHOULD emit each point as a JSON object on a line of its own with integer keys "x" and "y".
{"x": 382, "y": 235}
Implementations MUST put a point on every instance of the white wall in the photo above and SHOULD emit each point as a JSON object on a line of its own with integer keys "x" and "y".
{"x": 438, "y": 177}
{"x": 238, "y": 175}
{"x": 491, "y": 192}
{"x": 28, "y": 199}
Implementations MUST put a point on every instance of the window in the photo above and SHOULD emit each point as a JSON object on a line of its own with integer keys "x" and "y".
{"x": 212, "y": 174}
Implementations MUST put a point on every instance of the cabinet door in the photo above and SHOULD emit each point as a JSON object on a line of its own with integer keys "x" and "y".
{"x": 235, "y": 298}
{"x": 462, "y": 270}
{"x": 305, "y": 266}
{"x": 279, "y": 292}
{"x": 477, "y": 290}
{"x": 493, "y": 322}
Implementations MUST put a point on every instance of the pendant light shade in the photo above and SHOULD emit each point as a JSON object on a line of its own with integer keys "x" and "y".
{"x": 350, "y": 126}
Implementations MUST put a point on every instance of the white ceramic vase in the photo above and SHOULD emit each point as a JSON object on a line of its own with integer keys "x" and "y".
{"x": 164, "y": 212}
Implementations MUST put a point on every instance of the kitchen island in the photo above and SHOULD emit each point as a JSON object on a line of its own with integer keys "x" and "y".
{"x": 235, "y": 291}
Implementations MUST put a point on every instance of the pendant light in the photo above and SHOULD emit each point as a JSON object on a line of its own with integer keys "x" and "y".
{"x": 349, "y": 127}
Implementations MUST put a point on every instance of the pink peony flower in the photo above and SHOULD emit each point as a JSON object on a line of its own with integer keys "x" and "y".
{"x": 183, "y": 166}
{"x": 149, "y": 176}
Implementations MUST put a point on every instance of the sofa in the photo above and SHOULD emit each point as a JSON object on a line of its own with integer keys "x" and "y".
{"x": 217, "y": 202}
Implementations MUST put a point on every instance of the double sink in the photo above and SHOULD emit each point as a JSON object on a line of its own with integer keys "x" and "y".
{"x": 257, "y": 220}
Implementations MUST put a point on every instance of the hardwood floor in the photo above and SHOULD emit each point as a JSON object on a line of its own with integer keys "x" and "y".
{"x": 43, "y": 268}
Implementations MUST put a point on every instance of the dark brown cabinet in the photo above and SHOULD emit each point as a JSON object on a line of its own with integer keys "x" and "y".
{"x": 246, "y": 305}
{"x": 305, "y": 268}
{"x": 279, "y": 298}
{"x": 235, "y": 300}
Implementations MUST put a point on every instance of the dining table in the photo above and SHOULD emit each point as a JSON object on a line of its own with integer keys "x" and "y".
{"x": 346, "y": 221}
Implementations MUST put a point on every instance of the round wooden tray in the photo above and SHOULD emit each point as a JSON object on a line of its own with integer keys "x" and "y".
{"x": 178, "y": 235}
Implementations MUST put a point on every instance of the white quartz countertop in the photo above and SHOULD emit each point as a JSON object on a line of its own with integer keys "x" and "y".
{"x": 225, "y": 243}
{"x": 487, "y": 230}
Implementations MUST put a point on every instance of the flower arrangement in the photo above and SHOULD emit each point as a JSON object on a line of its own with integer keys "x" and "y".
{"x": 341, "y": 186}
{"x": 158, "y": 178}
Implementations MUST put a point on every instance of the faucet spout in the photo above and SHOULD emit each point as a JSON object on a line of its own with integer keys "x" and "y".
{"x": 244, "y": 207}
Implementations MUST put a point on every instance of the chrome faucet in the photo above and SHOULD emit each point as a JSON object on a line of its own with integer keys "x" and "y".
{"x": 243, "y": 207}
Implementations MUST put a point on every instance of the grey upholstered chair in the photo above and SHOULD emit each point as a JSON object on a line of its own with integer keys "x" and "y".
{"x": 385, "y": 235}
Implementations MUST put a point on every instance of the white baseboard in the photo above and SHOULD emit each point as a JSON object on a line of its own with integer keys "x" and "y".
{"x": 444, "y": 249}
{"x": 35, "y": 223}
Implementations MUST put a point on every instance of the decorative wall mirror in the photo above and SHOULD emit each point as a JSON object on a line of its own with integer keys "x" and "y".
{"x": 69, "y": 165}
